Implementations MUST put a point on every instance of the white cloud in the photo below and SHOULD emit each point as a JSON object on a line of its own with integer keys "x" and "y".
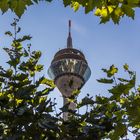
{"x": 79, "y": 28}
{"x": 76, "y": 26}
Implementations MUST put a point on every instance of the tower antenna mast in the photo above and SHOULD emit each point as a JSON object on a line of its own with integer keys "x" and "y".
{"x": 69, "y": 39}
{"x": 70, "y": 27}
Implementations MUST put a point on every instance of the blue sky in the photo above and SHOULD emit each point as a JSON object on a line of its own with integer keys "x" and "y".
{"x": 102, "y": 44}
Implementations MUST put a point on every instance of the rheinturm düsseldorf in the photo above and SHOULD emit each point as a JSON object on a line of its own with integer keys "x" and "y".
{"x": 69, "y": 69}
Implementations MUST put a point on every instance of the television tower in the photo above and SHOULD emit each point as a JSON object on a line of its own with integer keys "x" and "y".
{"x": 69, "y": 70}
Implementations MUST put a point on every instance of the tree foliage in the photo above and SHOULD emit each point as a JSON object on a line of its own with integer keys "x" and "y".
{"x": 24, "y": 106}
{"x": 27, "y": 113}
{"x": 105, "y": 9}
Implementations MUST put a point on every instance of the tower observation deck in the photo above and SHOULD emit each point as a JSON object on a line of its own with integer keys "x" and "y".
{"x": 69, "y": 69}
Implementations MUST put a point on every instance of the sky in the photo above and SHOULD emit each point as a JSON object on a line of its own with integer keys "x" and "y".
{"x": 102, "y": 44}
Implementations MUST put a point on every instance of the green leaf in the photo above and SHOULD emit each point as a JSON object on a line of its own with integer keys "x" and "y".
{"x": 97, "y": 12}
{"x": 126, "y": 67}
{"x": 111, "y": 71}
{"x": 36, "y": 54}
{"x": 28, "y": 2}
{"x": 47, "y": 82}
{"x": 14, "y": 62}
{"x": 17, "y": 45}
{"x": 104, "y": 12}
{"x": 115, "y": 19}
{"x": 101, "y": 100}
{"x": 39, "y": 68}
{"x": 105, "y": 81}
{"x": 25, "y": 53}
{"x": 4, "y": 6}
{"x": 86, "y": 101}
{"x": 76, "y": 93}
{"x": 42, "y": 105}
{"x": 129, "y": 11}
{"x": 8, "y": 33}
{"x": 133, "y": 3}
{"x": 75, "y": 6}
{"x": 9, "y": 72}
{"x": 67, "y": 2}
{"x": 21, "y": 76}
{"x": 89, "y": 6}
{"x": 18, "y": 6}
{"x": 24, "y": 38}
{"x": 123, "y": 80}
{"x": 123, "y": 88}
{"x": 120, "y": 130}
